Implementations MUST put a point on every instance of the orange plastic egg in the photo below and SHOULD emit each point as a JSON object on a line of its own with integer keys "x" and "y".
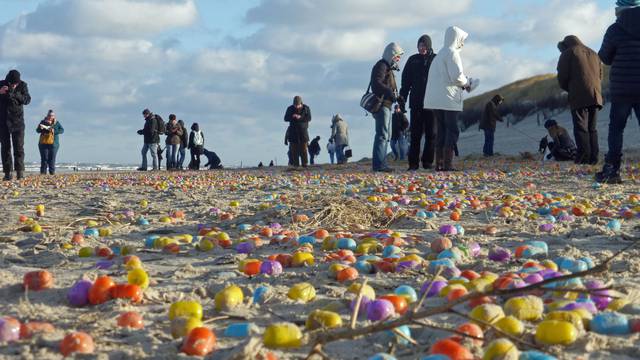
{"x": 200, "y": 342}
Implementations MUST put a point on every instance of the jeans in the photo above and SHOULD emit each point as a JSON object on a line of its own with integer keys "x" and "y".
{"x": 7, "y": 138}
{"x": 153, "y": 148}
{"x": 182, "y": 151}
{"x": 332, "y": 157}
{"x": 487, "y": 150}
{"x": 399, "y": 147}
{"x": 423, "y": 123}
{"x": 172, "y": 153}
{"x": 586, "y": 134}
{"x": 448, "y": 131}
{"x": 381, "y": 140}
{"x": 618, "y": 117}
{"x": 47, "y": 158}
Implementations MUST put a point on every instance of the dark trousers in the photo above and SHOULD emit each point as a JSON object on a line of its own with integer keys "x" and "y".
{"x": 618, "y": 117}
{"x": 7, "y": 139}
{"x": 586, "y": 134}
{"x": 561, "y": 154}
{"x": 47, "y": 158}
{"x": 489, "y": 136}
{"x": 312, "y": 157}
{"x": 195, "y": 159}
{"x": 298, "y": 154}
{"x": 448, "y": 131}
{"x": 423, "y": 123}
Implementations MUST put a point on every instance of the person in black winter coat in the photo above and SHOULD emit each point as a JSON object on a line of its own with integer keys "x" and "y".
{"x": 621, "y": 49}
{"x": 414, "y": 82}
{"x": 184, "y": 143}
{"x": 14, "y": 95}
{"x": 562, "y": 148}
{"x": 298, "y": 116}
{"x": 314, "y": 149}
{"x": 196, "y": 145}
{"x": 151, "y": 139}
{"x": 488, "y": 122}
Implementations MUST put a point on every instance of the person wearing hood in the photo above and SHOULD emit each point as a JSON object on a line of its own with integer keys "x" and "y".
{"x": 173, "y": 140}
{"x": 314, "y": 149}
{"x": 580, "y": 74}
{"x": 196, "y": 145}
{"x": 14, "y": 95}
{"x": 490, "y": 117}
{"x": 621, "y": 50}
{"x": 49, "y": 142}
{"x": 151, "y": 139}
{"x": 423, "y": 124}
{"x": 445, "y": 87}
{"x": 298, "y": 115}
{"x": 383, "y": 85}
{"x": 339, "y": 137}
{"x": 331, "y": 149}
{"x": 184, "y": 142}
{"x": 561, "y": 147}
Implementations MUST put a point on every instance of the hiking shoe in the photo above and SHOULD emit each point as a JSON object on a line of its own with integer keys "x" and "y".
{"x": 19, "y": 175}
{"x": 605, "y": 178}
{"x": 7, "y": 177}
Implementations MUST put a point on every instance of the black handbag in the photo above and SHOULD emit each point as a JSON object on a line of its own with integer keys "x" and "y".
{"x": 370, "y": 102}
{"x": 348, "y": 153}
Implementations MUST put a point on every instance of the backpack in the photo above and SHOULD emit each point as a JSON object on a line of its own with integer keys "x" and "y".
{"x": 47, "y": 137}
{"x": 160, "y": 126}
{"x": 198, "y": 140}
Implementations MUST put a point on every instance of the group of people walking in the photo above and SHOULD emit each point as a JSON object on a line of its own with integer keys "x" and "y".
{"x": 176, "y": 143}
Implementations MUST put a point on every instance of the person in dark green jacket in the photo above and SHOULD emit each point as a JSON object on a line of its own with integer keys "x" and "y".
{"x": 49, "y": 143}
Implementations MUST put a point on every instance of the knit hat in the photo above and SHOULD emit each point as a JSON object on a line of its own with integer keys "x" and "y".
{"x": 628, "y": 3}
{"x": 297, "y": 100}
{"x": 426, "y": 40}
{"x": 146, "y": 112}
{"x": 13, "y": 77}
{"x": 550, "y": 123}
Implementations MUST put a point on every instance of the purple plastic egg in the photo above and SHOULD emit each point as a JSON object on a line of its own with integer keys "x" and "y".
{"x": 435, "y": 288}
{"x": 448, "y": 230}
{"x": 546, "y": 227}
{"x": 474, "y": 248}
{"x": 499, "y": 254}
{"x": 275, "y": 226}
{"x": 244, "y": 247}
{"x": 381, "y": 309}
{"x": 9, "y": 329}
{"x": 104, "y": 264}
{"x": 271, "y": 267}
{"x": 450, "y": 272}
{"x": 533, "y": 278}
{"x": 407, "y": 265}
{"x": 587, "y": 305}
{"x": 364, "y": 304}
{"x": 601, "y": 298}
{"x": 78, "y": 294}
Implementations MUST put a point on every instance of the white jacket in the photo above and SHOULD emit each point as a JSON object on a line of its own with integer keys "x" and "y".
{"x": 446, "y": 75}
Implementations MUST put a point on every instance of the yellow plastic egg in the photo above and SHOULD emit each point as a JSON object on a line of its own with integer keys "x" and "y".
{"x": 527, "y": 308}
{"x": 138, "y": 277}
{"x": 229, "y": 298}
{"x": 323, "y": 319}
{"x": 368, "y": 291}
{"x": 501, "y": 349}
{"x": 282, "y": 335}
{"x": 486, "y": 313}
{"x": 185, "y": 309}
{"x": 555, "y": 332}
{"x": 301, "y": 259}
{"x": 569, "y": 316}
{"x": 302, "y": 292}
{"x": 510, "y": 325}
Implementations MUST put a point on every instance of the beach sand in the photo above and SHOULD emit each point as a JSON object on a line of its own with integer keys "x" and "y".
{"x": 274, "y": 196}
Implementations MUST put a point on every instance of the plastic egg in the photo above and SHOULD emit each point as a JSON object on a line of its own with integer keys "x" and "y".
{"x": 378, "y": 310}
{"x": 282, "y": 335}
{"x": 510, "y": 325}
{"x": 302, "y": 259}
{"x": 78, "y": 294}
{"x": 302, "y": 292}
{"x": 229, "y": 298}
{"x": 138, "y": 277}
{"x": 185, "y": 309}
{"x": 323, "y": 319}
{"x": 610, "y": 323}
{"x": 9, "y": 329}
{"x": 77, "y": 343}
{"x": 554, "y": 332}
{"x": 527, "y": 308}
{"x": 501, "y": 349}
{"x": 487, "y": 314}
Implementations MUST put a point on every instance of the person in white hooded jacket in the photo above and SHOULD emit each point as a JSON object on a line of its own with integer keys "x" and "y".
{"x": 445, "y": 87}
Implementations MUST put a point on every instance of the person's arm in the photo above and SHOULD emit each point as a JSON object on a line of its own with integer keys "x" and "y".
{"x": 20, "y": 95}
{"x": 564, "y": 69}
{"x": 202, "y": 134}
{"x": 59, "y": 128}
{"x": 288, "y": 115}
{"x": 378, "y": 86}
{"x": 38, "y": 128}
{"x": 455, "y": 71}
{"x": 608, "y": 49}
{"x": 190, "y": 143}
{"x": 406, "y": 83}
{"x": 496, "y": 113}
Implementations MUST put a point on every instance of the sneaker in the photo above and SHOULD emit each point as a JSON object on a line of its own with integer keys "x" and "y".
{"x": 7, "y": 177}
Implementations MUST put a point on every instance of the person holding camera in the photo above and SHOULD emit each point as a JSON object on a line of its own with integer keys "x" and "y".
{"x": 14, "y": 95}
{"x": 561, "y": 148}
{"x": 383, "y": 85}
{"x": 49, "y": 142}
{"x": 151, "y": 135}
{"x": 298, "y": 116}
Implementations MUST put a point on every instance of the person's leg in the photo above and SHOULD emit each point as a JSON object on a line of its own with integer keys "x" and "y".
{"x": 332, "y": 157}
{"x": 485, "y": 147}
{"x": 452, "y": 132}
{"x": 52, "y": 159}
{"x": 153, "y": 148}
{"x": 340, "y": 154}
{"x": 311, "y": 156}
{"x": 304, "y": 151}
{"x": 17, "y": 138}
{"x": 440, "y": 137}
{"x": 381, "y": 140}
{"x": 395, "y": 149}
{"x": 430, "y": 131}
{"x": 295, "y": 156}
{"x": 5, "y": 150}
{"x": 417, "y": 128}
{"x": 488, "y": 141}
{"x": 174, "y": 154}
{"x": 593, "y": 135}
{"x": 402, "y": 147}
{"x": 181, "y": 155}
{"x": 43, "y": 158}
{"x": 618, "y": 117}
{"x": 581, "y": 134}
{"x": 145, "y": 149}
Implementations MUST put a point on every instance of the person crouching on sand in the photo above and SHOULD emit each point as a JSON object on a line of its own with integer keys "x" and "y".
{"x": 49, "y": 142}
{"x": 562, "y": 148}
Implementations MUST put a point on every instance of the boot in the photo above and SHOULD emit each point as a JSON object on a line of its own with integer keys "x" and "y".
{"x": 610, "y": 174}
{"x": 448, "y": 159}
{"x": 439, "y": 159}
{"x": 7, "y": 176}
{"x": 19, "y": 175}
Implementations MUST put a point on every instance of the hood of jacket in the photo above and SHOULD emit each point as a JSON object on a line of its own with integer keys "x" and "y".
{"x": 629, "y": 20}
{"x": 454, "y": 38}
{"x": 569, "y": 42}
{"x": 496, "y": 99}
{"x": 426, "y": 40}
{"x": 390, "y": 52}
{"x": 336, "y": 118}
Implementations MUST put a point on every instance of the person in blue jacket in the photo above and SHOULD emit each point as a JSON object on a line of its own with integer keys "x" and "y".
{"x": 49, "y": 143}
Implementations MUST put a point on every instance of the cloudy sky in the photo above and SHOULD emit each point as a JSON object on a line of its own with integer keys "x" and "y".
{"x": 234, "y": 65}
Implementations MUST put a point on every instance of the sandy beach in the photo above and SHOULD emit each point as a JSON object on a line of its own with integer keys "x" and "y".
{"x": 348, "y": 200}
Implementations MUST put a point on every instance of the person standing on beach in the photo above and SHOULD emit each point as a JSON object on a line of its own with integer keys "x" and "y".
{"x": 331, "y": 149}
{"x": 14, "y": 95}
{"x": 184, "y": 142}
{"x": 488, "y": 122}
{"x": 49, "y": 142}
{"x": 314, "y": 149}
{"x": 444, "y": 93}
{"x": 383, "y": 85}
{"x": 423, "y": 124}
{"x": 399, "y": 126}
{"x": 339, "y": 137}
{"x": 151, "y": 136}
{"x": 196, "y": 145}
{"x": 298, "y": 116}
{"x": 580, "y": 74}
{"x": 621, "y": 50}
{"x": 174, "y": 135}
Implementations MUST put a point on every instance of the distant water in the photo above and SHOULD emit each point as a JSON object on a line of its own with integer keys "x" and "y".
{"x": 71, "y": 167}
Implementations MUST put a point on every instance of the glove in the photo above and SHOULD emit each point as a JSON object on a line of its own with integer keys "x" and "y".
{"x": 140, "y": 132}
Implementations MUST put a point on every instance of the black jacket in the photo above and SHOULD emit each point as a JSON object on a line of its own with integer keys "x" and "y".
{"x": 150, "y": 130}
{"x": 621, "y": 49}
{"x": 12, "y": 106}
{"x": 298, "y": 132}
{"x": 383, "y": 83}
{"x": 399, "y": 124}
{"x": 414, "y": 79}
{"x": 491, "y": 115}
{"x": 314, "y": 147}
